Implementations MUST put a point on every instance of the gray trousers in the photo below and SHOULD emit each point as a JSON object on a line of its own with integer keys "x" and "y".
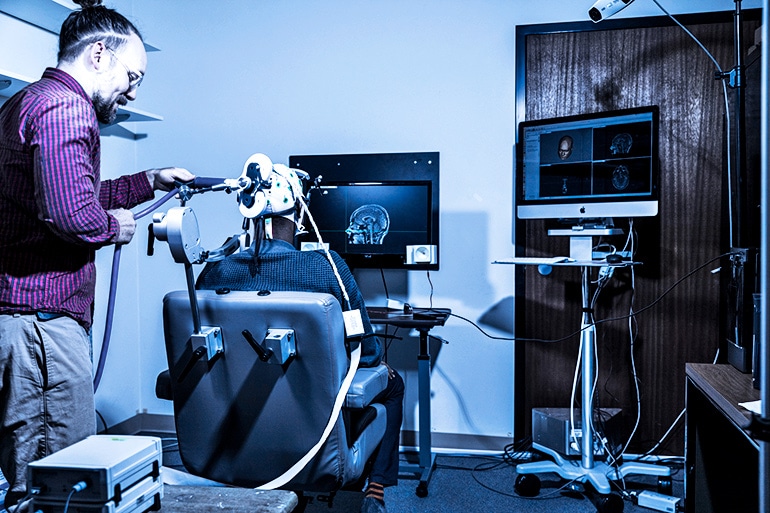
{"x": 46, "y": 392}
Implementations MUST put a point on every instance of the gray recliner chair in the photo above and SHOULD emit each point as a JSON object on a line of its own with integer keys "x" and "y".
{"x": 247, "y": 413}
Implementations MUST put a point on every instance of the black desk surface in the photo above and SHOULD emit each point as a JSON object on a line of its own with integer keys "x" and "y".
{"x": 419, "y": 318}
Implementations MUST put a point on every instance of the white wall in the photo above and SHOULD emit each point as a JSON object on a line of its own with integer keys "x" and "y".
{"x": 300, "y": 77}
{"x": 287, "y": 77}
{"x": 347, "y": 77}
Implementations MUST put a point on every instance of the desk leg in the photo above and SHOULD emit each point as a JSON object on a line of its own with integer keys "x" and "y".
{"x": 427, "y": 459}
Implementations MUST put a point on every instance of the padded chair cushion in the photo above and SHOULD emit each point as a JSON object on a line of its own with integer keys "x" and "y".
{"x": 367, "y": 383}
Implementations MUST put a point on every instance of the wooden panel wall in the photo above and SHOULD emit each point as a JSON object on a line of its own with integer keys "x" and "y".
{"x": 587, "y": 71}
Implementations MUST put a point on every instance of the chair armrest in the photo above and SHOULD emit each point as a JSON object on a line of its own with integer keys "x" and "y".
{"x": 163, "y": 388}
{"x": 367, "y": 383}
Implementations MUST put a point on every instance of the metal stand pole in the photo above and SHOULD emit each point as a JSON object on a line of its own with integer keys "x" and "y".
{"x": 737, "y": 82}
{"x": 764, "y": 445}
{"x": 587, "y": 370}
{"x": 193, "y": 298}
{"x": 596, "y": 473}
{"x": 427, "y": 458}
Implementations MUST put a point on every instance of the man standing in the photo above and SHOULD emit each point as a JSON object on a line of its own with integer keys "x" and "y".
{"x": 56, "y": 212}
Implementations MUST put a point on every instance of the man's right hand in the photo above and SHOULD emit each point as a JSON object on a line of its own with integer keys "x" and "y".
{"x": 127, "y": 224}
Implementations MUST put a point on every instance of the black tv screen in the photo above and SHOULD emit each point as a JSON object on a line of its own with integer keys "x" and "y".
{"x": 375, "y": 210}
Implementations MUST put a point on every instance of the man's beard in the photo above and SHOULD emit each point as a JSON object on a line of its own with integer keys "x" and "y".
{"x": 106, "y": 111}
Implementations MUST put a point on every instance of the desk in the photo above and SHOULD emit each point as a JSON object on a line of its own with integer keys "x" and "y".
{"x": 721, "y": 458}
{"x": 204, "y": 499}
{"x": 423, "y": 320}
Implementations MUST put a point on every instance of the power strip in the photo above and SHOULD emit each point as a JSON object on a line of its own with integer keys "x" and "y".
{"x": 657, "y": 501}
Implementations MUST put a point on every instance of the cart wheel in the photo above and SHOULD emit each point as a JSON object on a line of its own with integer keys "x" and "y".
{"x": 527, "y": 485}
{"x": 422, "y": 490}
{"x": 611, "y": 503}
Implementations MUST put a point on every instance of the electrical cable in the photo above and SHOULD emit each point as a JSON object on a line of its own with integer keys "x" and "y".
{"x": 77, "y": 487}
{"x": 430, "y": 301}
{"x": 573, "y": 394}
{"x": 384, "y": 283}
{"x": 632, "y": 342}
{"x": 306, "y": 211}
{"x": 728, "y": 148}
{"x": 104, "y": 422}
{"x": 518, "y": 452}
{"x": 113, "y": 291}
{"x": 488, "y": 466}
{"x": 600, "y": 321}
{"x": 673, "y": 424}
{"x": 667, "y": 291}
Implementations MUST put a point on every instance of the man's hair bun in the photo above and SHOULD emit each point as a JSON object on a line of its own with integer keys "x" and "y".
{"x": 88, "y": 3}
{"x": 91, "y": 23}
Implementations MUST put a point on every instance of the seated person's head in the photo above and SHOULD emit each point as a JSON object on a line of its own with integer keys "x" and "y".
{"x": 282, "y": 216}
{"x": 281, "y": 228}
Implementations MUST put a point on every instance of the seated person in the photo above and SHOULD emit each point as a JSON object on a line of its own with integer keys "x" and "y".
{"x": 273, "y": 263}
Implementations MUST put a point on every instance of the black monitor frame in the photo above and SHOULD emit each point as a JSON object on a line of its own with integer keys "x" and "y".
{"x": 597, "y": 195}
{"x": 420, "y": 168}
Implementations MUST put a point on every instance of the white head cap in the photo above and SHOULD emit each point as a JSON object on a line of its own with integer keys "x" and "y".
{"x": 274, "y": 191}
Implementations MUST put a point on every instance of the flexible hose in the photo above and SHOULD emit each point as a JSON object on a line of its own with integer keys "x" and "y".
{"x": 113, "y": 291}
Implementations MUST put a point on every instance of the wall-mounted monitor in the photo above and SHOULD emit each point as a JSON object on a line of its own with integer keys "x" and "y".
{"x": 591, "y": 166}
{"x": 378, "y": 211}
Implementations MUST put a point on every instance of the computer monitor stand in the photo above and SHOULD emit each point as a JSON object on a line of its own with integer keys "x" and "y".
{"x": 597, "y": 473}
{"x": 581, "y": 238}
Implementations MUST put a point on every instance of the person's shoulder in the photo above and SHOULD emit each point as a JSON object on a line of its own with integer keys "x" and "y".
{"x": 320, "y": 254}
{"x": 338, "y": 259}
{"x": 215, "y": 274}
{"x": 310, "y": 254}
{"x": 323, "y": 254}
{"x": 238, "y": 258}
{"x": 56, "y": 85}
{"x": 49, "y": 97}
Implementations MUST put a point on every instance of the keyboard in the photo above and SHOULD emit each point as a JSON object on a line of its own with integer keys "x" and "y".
{"x": 535, "y": 260}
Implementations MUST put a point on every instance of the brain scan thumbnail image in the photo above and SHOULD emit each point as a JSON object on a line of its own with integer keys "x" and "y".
{"x": 368, "y": 225}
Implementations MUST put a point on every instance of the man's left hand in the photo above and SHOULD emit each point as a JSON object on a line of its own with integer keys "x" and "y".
{"x": 165, "y": 178}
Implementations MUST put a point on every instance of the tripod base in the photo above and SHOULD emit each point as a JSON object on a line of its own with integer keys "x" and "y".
{"x": 598, "y": 476}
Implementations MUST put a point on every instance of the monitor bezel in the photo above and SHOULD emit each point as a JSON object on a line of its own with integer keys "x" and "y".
{"x": 386, "y": 169}
{"x": 601, "y": 207}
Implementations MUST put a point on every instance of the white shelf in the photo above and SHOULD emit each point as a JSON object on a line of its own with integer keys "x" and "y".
{"x": 49, "y": 15}
{"x": 11, "y": 83}
{"x": 46, "y": 14}
{"x": 131, "y": 114}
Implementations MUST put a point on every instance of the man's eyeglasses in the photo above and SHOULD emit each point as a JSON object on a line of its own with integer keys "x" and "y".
{"x": 134, "y": 77}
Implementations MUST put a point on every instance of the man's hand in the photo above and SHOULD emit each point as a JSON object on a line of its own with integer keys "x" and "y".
{"x": 127, "y": 224}
{"x": 164, "y": 178}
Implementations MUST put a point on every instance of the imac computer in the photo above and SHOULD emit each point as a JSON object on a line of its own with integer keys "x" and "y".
{"x": 587, "y": 170}
{"x": 378, "y": 211}
{"x": 590, "y": 168}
